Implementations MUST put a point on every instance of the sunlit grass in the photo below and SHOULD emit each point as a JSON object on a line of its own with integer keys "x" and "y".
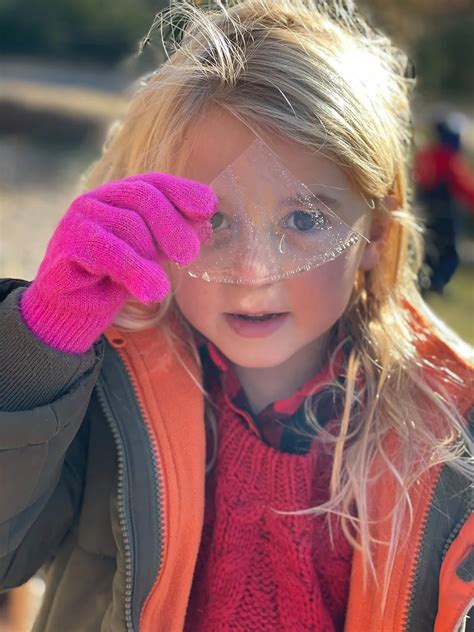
{"x": 76, "y": 101}
{"x": 456, "y": 305}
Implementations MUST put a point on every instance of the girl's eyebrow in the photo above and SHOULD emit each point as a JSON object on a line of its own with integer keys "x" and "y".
{"x": 309, "y": 198}
{"x": 313, "y": 198}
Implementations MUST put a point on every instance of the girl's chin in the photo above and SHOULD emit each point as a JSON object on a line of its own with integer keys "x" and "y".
{"x": 253, "y": 360}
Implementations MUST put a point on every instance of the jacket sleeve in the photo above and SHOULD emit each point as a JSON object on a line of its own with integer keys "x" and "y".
{"x": 44, "y": 396}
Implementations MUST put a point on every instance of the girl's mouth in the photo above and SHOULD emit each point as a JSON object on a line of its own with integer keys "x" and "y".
{"x": 255, "y": 325}
{"x": 259, "y": 317}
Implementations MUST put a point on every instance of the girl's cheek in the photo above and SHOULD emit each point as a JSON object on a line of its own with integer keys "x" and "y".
{"x": 184, "y": 287}
{"x": 325, "y": 290}
{"x": 194, "y": 297}
{"x": 183, "y": 292}
{"x": 330, "y": 279}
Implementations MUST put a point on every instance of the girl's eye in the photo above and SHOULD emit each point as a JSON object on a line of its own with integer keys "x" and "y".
{"x": 218, "y": 220}
{"x": 304, "y": 220}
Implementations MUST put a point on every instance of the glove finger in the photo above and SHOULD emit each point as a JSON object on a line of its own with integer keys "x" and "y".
{"x": 173, "y": 233}
{"x": 193, "y": 199}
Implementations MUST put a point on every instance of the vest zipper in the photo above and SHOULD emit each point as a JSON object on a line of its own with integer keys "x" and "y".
{"x": 116, "y": 389}
{"x": 415, "y": 574}
{"x": 407, "y": 623}
{"x": 454, "y": 533}
{"x": 157, "y": 469}
{"x": 122, "y": 490}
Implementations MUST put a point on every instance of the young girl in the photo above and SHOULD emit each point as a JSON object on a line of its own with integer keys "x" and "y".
{"x": 272, "y": 434}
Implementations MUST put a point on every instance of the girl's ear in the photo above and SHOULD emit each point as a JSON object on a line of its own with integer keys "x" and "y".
{"x": 378, "y": 232}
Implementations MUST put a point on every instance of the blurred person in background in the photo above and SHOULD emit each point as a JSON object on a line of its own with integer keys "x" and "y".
{"x": 445, "y": 190}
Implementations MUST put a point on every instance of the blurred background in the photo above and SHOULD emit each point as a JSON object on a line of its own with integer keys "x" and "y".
{"x": 65, "y": 66}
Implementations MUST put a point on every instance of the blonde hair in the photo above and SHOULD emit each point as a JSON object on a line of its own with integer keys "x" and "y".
{"x": 316, "y": 73}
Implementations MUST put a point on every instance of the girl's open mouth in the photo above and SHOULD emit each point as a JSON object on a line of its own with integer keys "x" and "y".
{"x": 260, "y": 317}
{"x": 255, "y": 325}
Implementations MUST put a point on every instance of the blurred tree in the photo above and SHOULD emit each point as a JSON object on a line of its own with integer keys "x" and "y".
{"x": 437, "y": 33}
{"x": 445, "y": 57}
{"x": 75, "y": 29}
{"x": 438, "y": 36}
{"x": 408, "y": 19}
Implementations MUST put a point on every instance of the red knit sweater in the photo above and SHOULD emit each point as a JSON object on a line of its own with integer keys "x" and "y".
{"x": 257, "y": 569}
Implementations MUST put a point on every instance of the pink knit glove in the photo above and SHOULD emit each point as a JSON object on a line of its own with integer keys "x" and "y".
{"x": 111, "y": 244}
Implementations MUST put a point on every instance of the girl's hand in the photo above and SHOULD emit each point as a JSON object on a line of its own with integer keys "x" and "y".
{"x": 111, "y": 244}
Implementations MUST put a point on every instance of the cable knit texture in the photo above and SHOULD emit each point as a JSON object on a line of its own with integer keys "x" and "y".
{"x": 111, "y": 244}
{"x": 257, "y": 569}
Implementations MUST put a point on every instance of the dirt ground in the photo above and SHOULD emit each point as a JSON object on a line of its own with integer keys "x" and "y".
{"x": 36, "y": 187}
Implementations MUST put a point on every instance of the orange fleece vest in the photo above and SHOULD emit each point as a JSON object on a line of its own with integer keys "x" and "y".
{"x": 173, "y": 408}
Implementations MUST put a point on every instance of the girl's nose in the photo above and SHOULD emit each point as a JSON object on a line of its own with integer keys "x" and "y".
{"x": 254, "y": 265}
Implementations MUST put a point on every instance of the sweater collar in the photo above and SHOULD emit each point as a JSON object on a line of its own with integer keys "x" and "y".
{"x": 286, "y": 406}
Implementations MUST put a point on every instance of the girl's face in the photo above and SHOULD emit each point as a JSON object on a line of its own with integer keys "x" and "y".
{"x": 309, "y": 303}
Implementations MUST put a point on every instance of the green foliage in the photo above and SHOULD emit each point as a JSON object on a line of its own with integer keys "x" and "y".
{"x": 444, "y": 58}
{"x": 75, "y": 29}
{"x": 438, "y": 35}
